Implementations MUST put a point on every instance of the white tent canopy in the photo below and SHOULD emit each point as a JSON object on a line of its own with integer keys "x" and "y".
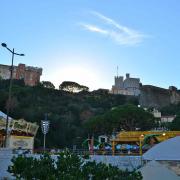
{"x": 166, "y": 150}
{"x": 4, "y": 115}
{"x": 155, "y": 171}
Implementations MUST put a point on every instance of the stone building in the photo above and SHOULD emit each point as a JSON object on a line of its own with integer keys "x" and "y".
{"x": 31, "y": 75}
{"x": 163, "y": 119}
{"x": 128, "y": 86}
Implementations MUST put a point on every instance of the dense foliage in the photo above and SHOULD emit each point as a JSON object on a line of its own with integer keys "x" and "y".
{"x": 125, "y": 117}
{"x": 71, "y": 86}
{"x": 67, "y": 111}
{"x": 172, "y": 109}
{"x": 67, "y": 166}
{"x": 175, "y": 125}
{"x": 47, "y": 84}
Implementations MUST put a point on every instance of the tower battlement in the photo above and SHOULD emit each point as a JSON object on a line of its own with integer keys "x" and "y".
{"x": 128, "y": 86}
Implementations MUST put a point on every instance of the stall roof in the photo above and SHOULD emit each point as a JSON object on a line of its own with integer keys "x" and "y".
{"x": 4, "y": 115}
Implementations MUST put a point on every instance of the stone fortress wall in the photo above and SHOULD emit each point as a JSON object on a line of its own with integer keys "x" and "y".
{"x": 31, "y": 75}
{"x": 128, "y": 86}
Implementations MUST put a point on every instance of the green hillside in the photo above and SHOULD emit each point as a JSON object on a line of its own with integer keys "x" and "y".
{"x": 67, "y": 111}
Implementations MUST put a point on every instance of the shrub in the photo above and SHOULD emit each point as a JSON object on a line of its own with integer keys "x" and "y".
{"x": 68, "y": 166}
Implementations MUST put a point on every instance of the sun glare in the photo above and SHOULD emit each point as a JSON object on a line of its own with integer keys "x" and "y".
{"x": 81, "y": 74}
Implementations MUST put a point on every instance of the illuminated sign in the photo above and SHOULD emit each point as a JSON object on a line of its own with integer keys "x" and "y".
{"x": 23, "y": 142}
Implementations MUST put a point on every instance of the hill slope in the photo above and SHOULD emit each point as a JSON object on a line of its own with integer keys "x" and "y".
{"x": 67, "y": 112}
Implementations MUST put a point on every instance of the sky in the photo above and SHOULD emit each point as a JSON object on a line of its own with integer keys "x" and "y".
{"x": 85, "y": 40}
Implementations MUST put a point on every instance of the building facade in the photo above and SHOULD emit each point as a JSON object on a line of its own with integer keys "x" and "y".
{"x": 30, "y": 75}
{"x": 128, "y": 86}
{"x": 163, "y": 119}
{"x": 166, "y": 119}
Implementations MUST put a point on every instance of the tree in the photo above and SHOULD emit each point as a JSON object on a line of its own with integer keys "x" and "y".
{"x": 29, "y": 167}
{"x": 84, "y": 88}
{"x": 48, "y": 84}
{"x": 126, "y": 117}
{"x": 71, "y": 86}
{"x": 12, "y": 103}
{"x": 132, "y": 117}
{"x": 175, "y": 125}
{"x": 101, "y": 91}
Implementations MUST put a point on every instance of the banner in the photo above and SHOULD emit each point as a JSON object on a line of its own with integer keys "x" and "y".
{"x": 20, "y": 142}
{"x": 24, "y": 126}
{"x": 20, "y": 126}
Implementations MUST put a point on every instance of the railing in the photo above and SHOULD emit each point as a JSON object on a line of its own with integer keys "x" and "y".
{"x": 94, "y": 152}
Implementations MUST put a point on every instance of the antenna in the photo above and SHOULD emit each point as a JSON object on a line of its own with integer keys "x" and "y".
{"x": 117, "y": 71}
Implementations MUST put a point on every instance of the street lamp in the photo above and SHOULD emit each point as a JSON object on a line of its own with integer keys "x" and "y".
{"x": 113, "y": 142}
{"x": 10, "y": 87}
{"x": 141, "y": 138}
{"x": 45, "y": 129}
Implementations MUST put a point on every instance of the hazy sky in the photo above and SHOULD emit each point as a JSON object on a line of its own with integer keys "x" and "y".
{"x": 85, "y": 40}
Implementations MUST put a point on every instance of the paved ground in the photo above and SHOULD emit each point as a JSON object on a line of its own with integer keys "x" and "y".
{"x": 5, "y": 160}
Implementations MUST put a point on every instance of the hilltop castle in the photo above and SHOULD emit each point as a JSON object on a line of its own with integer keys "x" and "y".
{"x": 128, "y": 86}
{"x": 30, "y": 75}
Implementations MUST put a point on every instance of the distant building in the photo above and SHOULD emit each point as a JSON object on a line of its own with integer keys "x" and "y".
{"x": 168, "y": 118}
{"x": 30, "y": 75}
{"x": 103, "y": 139}
{"x": 156, "y": 113}
{"x": 163, "y": 119}
{"x": 128, "y": 86}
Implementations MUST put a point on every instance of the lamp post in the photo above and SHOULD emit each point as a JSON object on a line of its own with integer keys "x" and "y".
{"x": 10, "y": 87}
{"x": 45, "y": 129}
{"x": 113, "y": 142}
{"x": 141, "y": 138}
{"x": 140, "y": 144}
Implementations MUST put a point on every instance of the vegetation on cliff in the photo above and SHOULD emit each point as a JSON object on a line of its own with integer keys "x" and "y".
{"x": 67, "y": 111}
{"x": 73, "y": 116}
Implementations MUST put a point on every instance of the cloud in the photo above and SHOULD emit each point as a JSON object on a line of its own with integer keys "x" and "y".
{"x": 94, "y": 29}
{"x": 117, "y": 32}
